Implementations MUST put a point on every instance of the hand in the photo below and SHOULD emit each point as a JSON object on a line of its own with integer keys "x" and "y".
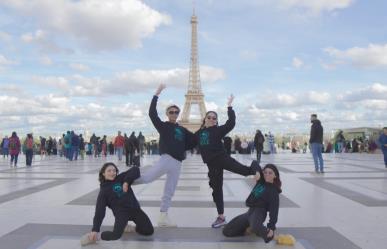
{"x": 160, "y": 89}
{"x": 257, "y": 176}
{"x": 270, "y": 233}
{"x": 125, "y": 187}
{"x": 93, "y": 236}
{"x": 230, "y": 99}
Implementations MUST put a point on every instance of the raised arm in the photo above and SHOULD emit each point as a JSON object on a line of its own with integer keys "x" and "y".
{"x": 230, "y": 123}
{"x": 131, "y": 175}
{"x": 153, "y": 110}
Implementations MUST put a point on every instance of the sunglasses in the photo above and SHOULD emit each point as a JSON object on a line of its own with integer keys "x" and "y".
{"x": 211, "y": 117}
{"x": 173, "y": 112}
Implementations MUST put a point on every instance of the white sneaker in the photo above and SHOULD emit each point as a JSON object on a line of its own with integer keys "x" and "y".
{"x": 130, "y": 228}
{"x": 164, "y": 220}
{"x": 85, "y": 240}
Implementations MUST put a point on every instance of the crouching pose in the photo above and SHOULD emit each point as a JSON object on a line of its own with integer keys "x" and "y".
{"x": 263, "y": 198}
{"x": 119, "y": 197}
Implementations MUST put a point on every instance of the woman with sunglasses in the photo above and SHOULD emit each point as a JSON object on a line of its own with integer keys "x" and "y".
{"x": 263, "y": 198}
{"x": 173, "y": 143}
{"x": 213, "y": 153}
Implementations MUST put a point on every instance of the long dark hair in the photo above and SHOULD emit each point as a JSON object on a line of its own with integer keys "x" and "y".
{"x": 205, "y": 116}
{"x": 277, "y": 180}
{"x": 101, "y": 178}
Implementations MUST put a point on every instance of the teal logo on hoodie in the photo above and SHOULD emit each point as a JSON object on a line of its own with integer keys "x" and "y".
{"x": 117, "y": 188}
{"x": 204, "y": 138}
{"x": 258, "y": 190}
{"x": 179, "y": 134}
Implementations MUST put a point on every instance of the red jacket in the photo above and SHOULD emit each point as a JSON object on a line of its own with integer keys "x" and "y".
{"x": 119, "y": 141}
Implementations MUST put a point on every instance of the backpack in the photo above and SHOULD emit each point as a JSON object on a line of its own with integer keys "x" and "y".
{"x": 12, "y": 144}
{"x": 66, "y": 139}
{"x": 29, "y": 143}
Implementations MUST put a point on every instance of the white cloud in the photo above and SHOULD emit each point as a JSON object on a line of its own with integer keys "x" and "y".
{"x": 44, "y": 40}
{"x": 6, "y": 62}
{"x": 79, "y": 67}
{"x": 376, "y": 91}
{"x": 316, "y": 6}
{"x": 51, "y": 81}
{"x": 39, "y": 35}
{"x": 140, "y": 80}
{"x": 375, "y": 104}
{"x": 284, "y": 100}
{"x": 41, "y": 120}
{"x": 211, "y": 106}
{"x": 10, "y": 88}
{"x": 297, "y": 62}
{"x": 99, "y": 25}
{"x": 372, "y": 56}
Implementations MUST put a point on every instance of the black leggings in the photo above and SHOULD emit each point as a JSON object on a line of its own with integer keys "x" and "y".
{"x": 215, "y": 173}
{"x": 143, "y": 224}
{"x": 253, "y": 218}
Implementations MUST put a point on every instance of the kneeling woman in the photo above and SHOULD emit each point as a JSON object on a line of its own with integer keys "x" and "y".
{"x": 263, "y": 198}
{"x": 116, "y": 193}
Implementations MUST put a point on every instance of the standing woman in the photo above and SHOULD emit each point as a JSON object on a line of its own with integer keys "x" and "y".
{"x": 258, "y": 143}
{"x": 104, "y": 146}
{"x": 29, "y": 145}
{"x": 213, "y": 153}
{"x": 115, "y": 192}
{"x": 14, "y": 148}
{"x": 263, "y": 198}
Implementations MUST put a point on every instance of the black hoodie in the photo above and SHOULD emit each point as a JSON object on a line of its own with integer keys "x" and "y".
{"x": 210, "y": 139}
{"x": 316, "y": 132}
{"x": 265, "y": 195}
{"x": 174, "y": 139}
{"x": 111, "y": 195}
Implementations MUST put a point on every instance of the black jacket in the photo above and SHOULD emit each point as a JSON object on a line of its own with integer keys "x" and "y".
{"x": 174, "y": 139}
{"x": 258, "y": 141}
{"x": 265, "y": 195}
{"x": 316, "y": 132}
{"x": 210, "y": 139}
{"x": 111, "y": 195}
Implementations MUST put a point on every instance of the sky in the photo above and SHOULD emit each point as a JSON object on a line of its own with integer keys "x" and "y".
{"x": 95, "y": 64}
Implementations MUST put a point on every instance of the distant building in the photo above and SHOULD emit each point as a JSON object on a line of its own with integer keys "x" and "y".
{"x": 363, "y": 132}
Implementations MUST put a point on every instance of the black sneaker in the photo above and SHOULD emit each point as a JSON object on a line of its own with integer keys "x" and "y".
{"x": 268, "y": 239}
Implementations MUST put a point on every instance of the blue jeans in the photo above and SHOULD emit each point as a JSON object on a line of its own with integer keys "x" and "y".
{"x": 317, "y": 156}
{"x": 385, "y": 157}
{"x": 69, "y": 154}
{"x": 29, "y": 154}
{"x": 340, "y": 146}
{"x": 75, "y": 151}
{"x": 119, "y": 151}
{"x": 5, "y": 152}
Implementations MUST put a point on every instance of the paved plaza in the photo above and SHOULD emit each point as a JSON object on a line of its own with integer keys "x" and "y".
{"x": 51, "y": 204}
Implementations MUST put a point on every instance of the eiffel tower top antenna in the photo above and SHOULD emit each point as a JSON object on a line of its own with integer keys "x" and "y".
{"x": 193, "y": 7}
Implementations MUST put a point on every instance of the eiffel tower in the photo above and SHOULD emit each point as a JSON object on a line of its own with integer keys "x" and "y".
{"x": 194, "y": 96}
